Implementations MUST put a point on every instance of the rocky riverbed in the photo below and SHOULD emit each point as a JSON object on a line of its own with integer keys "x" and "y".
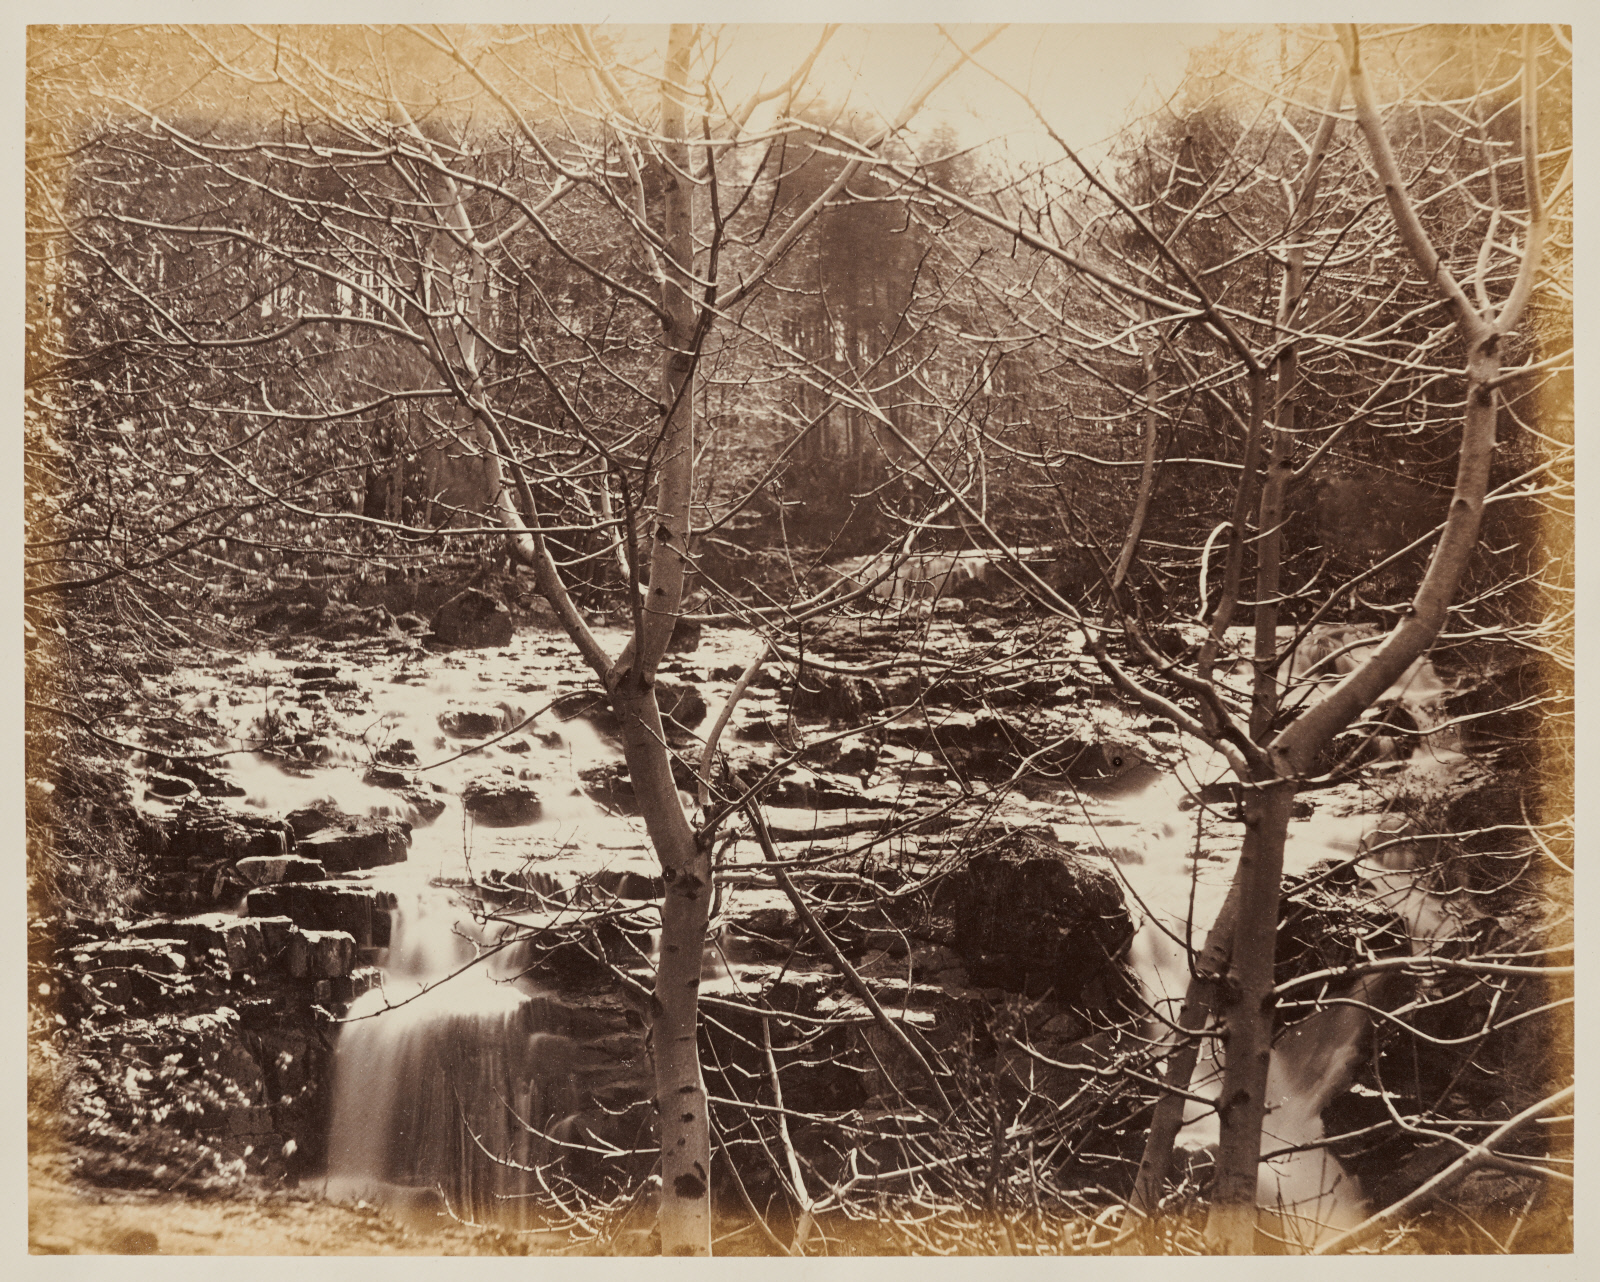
{"x": 407, "y": 844}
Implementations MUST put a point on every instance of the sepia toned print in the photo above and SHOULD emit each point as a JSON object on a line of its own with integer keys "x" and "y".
{"x": 803, "y": 641}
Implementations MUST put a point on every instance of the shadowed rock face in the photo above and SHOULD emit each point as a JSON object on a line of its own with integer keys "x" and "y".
{"x": 1031, "y": 915}
{"x": 473, "y": 619}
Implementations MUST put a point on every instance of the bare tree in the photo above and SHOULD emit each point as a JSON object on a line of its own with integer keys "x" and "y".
{"x": 366, "y": 295}
{"x": 1164, "y": 263}
{"x": 408, "y": 223}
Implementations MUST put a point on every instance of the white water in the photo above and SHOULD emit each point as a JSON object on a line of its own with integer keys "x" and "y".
{"x": 452, "y": 1059}
{"x": 417, "y": 1059}
{"x": 1176, "y": 895}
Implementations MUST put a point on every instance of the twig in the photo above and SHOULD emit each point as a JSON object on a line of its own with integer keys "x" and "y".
{"x": 802, "y": 1229}
{"x": 734, "y": 695}
{"x": 1482, "y": 1155}
{"x": 758, "y": 823}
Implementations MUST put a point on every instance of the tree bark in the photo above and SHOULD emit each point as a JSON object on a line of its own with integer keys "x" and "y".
{"x": 685, "y": 864}
{"x": 1245, "y": 1011}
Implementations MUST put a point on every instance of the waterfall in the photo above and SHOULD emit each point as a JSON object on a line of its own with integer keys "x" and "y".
{"x": 462, "y": 1088}
{"x": 447, "y": 1086}
{"x": 1307, "y": 1194}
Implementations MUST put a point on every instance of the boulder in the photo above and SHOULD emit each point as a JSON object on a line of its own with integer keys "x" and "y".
{"x": 246, "y": 951}
{"x": 686, "y": 633}
{"x": 402, "y": 752}
{"x": 497, "y": 802}
{"x": 360, "y": 910}
{"x": 680, "y": 703}
{"x": 201, "y": 933}
{"x": 837, "y": 696}
{"x": 255, "y": 944}
{"x": 194, "y": 852}
{"x": 351, "y": 843}
{"x": 261, "y": 870}
{"x": 160, "y": 787}
{"x": 810, "y": 791}
{"x": 474, "y": 620}
{"x": 627, "y": 884}
{"x": 311, "y": 819}
{"x": 1502, "y": 702}
{"x": 203, "y": 832}
{"x": 472, "y": 723}
{"x": 1327, "y": 919}
{"x": 424, "y": 807}
{"x": 592, "y": 705}
{"x": 610, "y": 784}
{"x": 1032, "y": 916}
{"x": 378, "y": 777}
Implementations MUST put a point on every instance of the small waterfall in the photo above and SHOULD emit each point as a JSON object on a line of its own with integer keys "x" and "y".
{"x": 1308, "y": 1194}
{"x": 458, "y": 1086}
{"x": 472, "y": 1095}
{"x": 446, "y": 1094}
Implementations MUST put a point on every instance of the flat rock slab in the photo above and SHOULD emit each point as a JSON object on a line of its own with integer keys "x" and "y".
{"x": 158, "y": 956}
{"x": 261, "y": 870}
{"x": 350, "y": 844}
{"x": 501, "y": 803}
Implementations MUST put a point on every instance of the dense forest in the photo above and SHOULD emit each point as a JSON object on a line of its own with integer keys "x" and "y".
{"x": 632, "y": 660}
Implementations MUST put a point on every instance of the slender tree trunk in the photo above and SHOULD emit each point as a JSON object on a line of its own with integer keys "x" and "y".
{"x": 1245, "y": 1010}
{"x": 685, "y": 909}
{"x": 1243, "y": 498}
{"x": 685, "y": 865}
{"x": 1147, "y": 471}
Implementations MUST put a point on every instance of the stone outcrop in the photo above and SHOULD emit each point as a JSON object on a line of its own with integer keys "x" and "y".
{"x": 259, "y": 870}
{"x": 195, "y": 852}
{"x": 352, "y": 843}
{"x": 497, "y": 802}
{"x": 1032, "y": 916}
{"x": 473, "y": 620}
{"x": 358, "y": 909}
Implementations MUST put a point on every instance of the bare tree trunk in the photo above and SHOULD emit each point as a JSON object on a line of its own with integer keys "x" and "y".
{"x": 685, "y": 864}
{"x": 1246, "y": 1010}
{"x": 1200, "y": 1000}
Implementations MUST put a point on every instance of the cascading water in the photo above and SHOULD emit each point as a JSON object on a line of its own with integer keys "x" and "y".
{"x": 454, "y": 1083}
{"x": 457, "y": 1079}
{"x": 447, "y": 1078}
{"x": 457, "y": 1082}
{"x": 1178, "y": 892}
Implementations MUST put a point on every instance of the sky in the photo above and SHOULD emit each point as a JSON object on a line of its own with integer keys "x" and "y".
{"x": 1085, "y": 78}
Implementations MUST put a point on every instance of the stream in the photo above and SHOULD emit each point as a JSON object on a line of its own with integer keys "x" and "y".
{"x": 433, "y": 1077}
